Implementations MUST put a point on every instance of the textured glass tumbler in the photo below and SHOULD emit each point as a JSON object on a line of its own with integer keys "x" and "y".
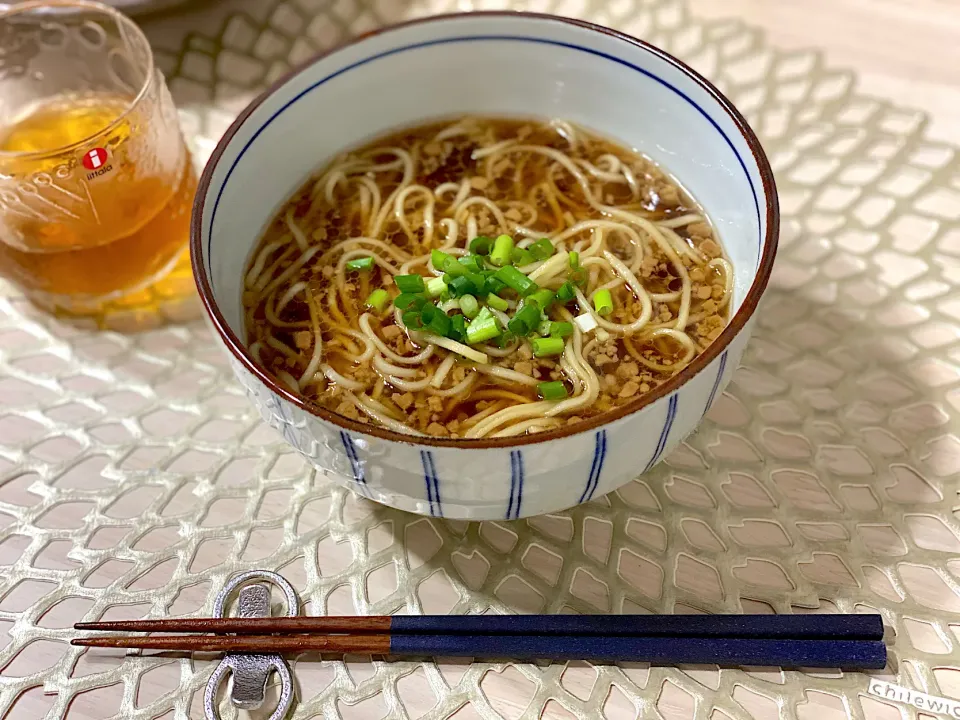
{"x": 96, "y": 183}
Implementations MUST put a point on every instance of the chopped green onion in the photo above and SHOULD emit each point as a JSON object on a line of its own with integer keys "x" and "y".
{"x": 574, "y": 260}
{"x": 435, "y": 320}
{"x": 438, "y": 257}
{"x": 566, "y": 293}
{"x": 552, "y": 390}
{"x": 378, "y": 300}
{"x": 449, "y": 304}
{"x": 516, "y": 280}
{"x": 410, "y": 283}
{"x": 550, "y": 328}
{"x": 561, "y": 329}
{"x": 461, "y": 286}
{"x": 458, "y": 328}
{"x": 542, "y": 297}
{"x": 505, "y": 339}
{"x": 544, "y": 347}
{"x": 579, "y": 276}
{"x": 469, "y": 306}
{"x": 493, "y": 285}
{"x": 477, "y": 280}
{"x": 497, "y": 302}
{"x": 436, "y": 287}
{"x": 484, "y": 314}
{"x": 526, "y": 319}
{"x": 603, "y": 302}
{"x": 452, "y": 267}
{"x": 502, "y": 248}
{"x": 407, "y": 300}
{"x": 586, "y": 322}
{"x": 542, "y": 249}
{"x": 360, "y": 263}
{"x": 482, "y": 329}
{"x": 521, "y": 257}
{"x": 481, "y": 245}
{"x": 411, "y": 319}
{"x": 446, "y": 263}
{"x": 473, "y": 263}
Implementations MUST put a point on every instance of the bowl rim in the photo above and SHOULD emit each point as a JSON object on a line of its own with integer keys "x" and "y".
{"x": 238, "y": 349}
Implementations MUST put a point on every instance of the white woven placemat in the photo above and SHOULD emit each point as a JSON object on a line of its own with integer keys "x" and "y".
{"x": 135, "y": 478}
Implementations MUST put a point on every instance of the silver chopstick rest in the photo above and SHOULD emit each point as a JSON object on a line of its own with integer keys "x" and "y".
{"x": 251, "y": 672}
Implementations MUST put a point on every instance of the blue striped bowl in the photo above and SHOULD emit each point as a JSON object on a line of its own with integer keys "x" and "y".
{"x": 500, "y": 64}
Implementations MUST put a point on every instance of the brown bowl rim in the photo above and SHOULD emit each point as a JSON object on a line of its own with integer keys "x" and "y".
{"x": 736, "y": 324}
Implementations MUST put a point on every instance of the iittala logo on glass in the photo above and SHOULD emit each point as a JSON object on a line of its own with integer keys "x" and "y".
{"x": 96, "y": 162}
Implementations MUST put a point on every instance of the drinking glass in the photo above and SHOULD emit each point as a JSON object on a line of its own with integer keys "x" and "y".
{"x": 96, "y": 183}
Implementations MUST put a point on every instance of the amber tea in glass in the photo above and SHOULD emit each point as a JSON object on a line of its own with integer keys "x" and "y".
{"x": 96, "y": 183}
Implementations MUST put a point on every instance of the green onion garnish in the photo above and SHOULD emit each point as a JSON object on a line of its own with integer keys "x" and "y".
{"x": 574, "y": 260}
{"x": 438, "y": 325}
{"x": 410, "y": 283}
{"x": 435, "y": 320}
{"x": 483, "y": 328}
{"x": 542, "y": 297}
{"x": 552, "y": 390}
{"x": 525, "y": 321}
{"x": 542, "y": 249}
{"x": 360, "y": 263}
{"x": 493, "y": 285}
{"x": 461, "y": 286}
{"x": 549, "y": 328}
{"x": 502, "y": 248}
{"x": 436, "y": 287}
{"x": 579, "y": 276}
{"x": 481, "y": 245}
{"x": 478, "y": 281}
{"x": 378, "y": 300}
{"x": 484, "y": 314}
{"x": 404, "y": 301}
{"x": 458, "y": 328}
{"x": 521, "y": 257}
{"x": 473, "y": 263}
{"x": 446, "y": 263}
{"x": 497, "y": 302}
{"x": 505, "y": 339}
{"x": 516, "y": 280}
{"x": 448, "y": 305}
{"x": 603, "y": 302}
{"x": 452, "y": 267}
{"x": 566, "y": 293}
{"x": 561, "y": 329}
{"x": 469, "y": 306}
{"x": 411, "y": 319}
{"x": 544, "y": 347}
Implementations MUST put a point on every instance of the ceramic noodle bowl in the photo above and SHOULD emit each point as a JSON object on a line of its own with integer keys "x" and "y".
{"x": 497, "y": 64}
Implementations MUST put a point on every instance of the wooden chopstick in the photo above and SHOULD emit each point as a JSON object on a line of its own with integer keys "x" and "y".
{"x": 786, "y": 627}
{"x": 844, "y": 654}
{"x": 378, "y": 644}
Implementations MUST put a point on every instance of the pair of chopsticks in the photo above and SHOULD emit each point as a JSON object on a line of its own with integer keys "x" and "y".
{"x": 851, "y": 642}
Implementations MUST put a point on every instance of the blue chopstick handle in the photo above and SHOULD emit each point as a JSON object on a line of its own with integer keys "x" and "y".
{"x": 844, "y": 654}
{"x": 787, "y": 627}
